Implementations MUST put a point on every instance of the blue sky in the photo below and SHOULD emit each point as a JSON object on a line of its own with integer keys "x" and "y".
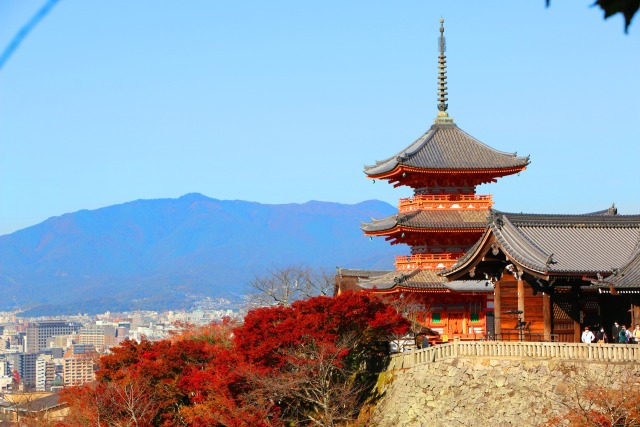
{"x": 284, "y": 101}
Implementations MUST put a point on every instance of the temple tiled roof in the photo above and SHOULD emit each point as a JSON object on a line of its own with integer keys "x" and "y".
{"x": 422, "y": 280}
{"x": 351, "y": 272}
{"x": 414, "y": 279}
{"x": 469, "y": 286}
{"x": 430, "y": 219}
{"x": 554, "y": 244}
{"x": 626, "y": 277}
{"x": 41, "y": 404}
{"x": 445, "y": 146}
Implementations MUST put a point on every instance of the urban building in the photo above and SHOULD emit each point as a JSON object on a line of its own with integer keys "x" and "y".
{"x": 25, "y": 366}
{"x": 39, "y": 332}
{"x": 79, "y": 365}
{"x": 45, "y": 372}
{"x": 101, "y": 336}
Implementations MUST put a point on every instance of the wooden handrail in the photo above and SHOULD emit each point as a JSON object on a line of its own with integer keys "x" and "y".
{"x": 523, "y": 350}
{"x": 448, "y": 198}
{"x": 434, "y": 201}
{"x": 433, "y": 261}
{"x": 445, "y": 256}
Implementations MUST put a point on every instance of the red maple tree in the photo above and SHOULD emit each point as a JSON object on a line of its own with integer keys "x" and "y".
{"x": 310, "y": 363}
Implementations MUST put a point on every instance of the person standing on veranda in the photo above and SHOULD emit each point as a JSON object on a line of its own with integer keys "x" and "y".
{"x": 601, "y": 336}
{"x": 587, "y": 336}
{"x": 636, "y": 335}
{"x": 623, "y": 335}
{"x": 615, "y": 332}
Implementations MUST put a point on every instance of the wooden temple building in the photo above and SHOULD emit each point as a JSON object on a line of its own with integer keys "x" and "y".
{"x": 477, "y": 273}
{"x": 551, "y": 270}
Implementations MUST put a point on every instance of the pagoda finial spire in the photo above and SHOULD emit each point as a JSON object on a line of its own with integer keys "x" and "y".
{"x": 443, "y": 116}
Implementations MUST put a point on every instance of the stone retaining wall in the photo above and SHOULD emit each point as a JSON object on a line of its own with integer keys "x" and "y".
{"x": 491, "y": 392}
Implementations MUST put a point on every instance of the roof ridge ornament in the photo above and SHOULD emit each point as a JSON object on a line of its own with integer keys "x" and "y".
{"x": 495, "y": 218}
{"x": 443, "y": 116}
{"x": 550, "y": 260}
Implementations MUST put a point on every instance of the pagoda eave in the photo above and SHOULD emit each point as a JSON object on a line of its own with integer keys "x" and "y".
{"x": 402, "y": 229}
{"x": 417, "y": 177}
{"x": 417, "y": 236}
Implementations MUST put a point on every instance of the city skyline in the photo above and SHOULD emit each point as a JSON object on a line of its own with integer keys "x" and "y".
{"x": 108, "y": 102}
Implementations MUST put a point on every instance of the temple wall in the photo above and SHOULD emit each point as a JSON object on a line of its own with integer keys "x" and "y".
{"x": 533, "y": 310}
{"x": 490, "y": 392}
{"x": 457, "y": 316}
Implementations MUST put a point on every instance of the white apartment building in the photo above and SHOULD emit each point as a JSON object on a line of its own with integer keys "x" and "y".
{"x": 45, "y": 372}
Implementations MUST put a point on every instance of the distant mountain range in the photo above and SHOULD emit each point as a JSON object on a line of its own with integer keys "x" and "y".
{"x": 157, "y": 254}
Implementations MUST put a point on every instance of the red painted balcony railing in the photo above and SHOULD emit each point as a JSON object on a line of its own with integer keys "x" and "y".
{"x": 446, "y": 201}
{"x": 427, "y": 261}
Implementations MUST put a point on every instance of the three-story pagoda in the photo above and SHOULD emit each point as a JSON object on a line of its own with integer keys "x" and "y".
{"x": 442, "y": 219}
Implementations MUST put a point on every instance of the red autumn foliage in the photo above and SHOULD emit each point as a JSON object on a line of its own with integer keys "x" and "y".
{"x": 267, "y": 332}
{"x": 314, "y": 357}
{"x": 237, "y": 376}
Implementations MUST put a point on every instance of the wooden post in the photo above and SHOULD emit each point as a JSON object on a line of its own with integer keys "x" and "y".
{"x": 521, "y": 317}
{"x": 497, "y": 310}
{"x": 521, "y": 294}
{"x": 635, "y": 315}
{"x": 576, "y": 311}
{"x": 546, "y": 316}
{"x": 576, "y": 331}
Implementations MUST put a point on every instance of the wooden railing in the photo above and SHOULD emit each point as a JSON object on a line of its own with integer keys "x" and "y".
{"x": 435, "y": 201}
{"x": 427, "y": 261}
{"x": 522, "y": 350}
{"x": 526, "y": 335}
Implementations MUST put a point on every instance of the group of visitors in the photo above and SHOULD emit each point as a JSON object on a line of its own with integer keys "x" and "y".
{"x": 622, "y": 335}
{"x": 619, "y": 335}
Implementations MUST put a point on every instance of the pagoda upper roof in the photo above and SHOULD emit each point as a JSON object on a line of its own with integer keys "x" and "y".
{"x": 430, "y": 219}
{"x": 447, "y": 147}
{"x": 557, "y": 244}
{"x": 421, "y": 280}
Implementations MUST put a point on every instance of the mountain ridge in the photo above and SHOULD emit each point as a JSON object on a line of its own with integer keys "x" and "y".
{"x": 147, "y": 248}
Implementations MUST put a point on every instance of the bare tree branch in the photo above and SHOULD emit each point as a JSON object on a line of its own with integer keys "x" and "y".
{"x": 605, "y": 398}
{"x": 284, "y": 285}
{"x": 316, "y": 386}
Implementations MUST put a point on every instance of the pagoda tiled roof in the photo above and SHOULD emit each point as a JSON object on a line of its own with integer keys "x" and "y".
{"x": 447, "y": 147}
{"x": 556, "y": 244}
{"x": 430, "y": 219}
{"x": 425, "y": 280}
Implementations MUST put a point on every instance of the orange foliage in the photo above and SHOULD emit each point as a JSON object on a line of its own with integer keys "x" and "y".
{"x": 601, "y": 404}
